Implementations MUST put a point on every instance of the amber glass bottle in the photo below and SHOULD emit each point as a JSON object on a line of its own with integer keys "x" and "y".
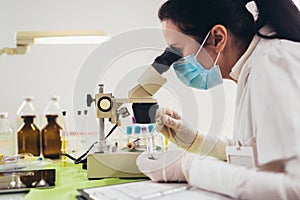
{"x": 29, "y": 137}
{"x": 51, "y": 143}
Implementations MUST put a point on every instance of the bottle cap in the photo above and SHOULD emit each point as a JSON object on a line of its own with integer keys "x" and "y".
{"x": 64, "y": 113}
{"x": 129, "y": 130}
{"x": 137, "y": 129}
{"x": 54, "y": 98}
{"x": 51, "y": 116}
{"x": 4, "y": 115}
{"x": 27, "y": 116}
{"x": 150, "y": 128}
{"x": 144, "y": 129}
{"x": 28, "y": 98}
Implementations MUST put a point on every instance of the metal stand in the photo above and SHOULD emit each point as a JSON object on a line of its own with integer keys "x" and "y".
{"x": 106, "y": 162}
{"x": 102, "y": 146}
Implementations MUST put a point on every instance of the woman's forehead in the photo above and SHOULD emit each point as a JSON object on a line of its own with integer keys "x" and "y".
{"x": 174, "y": 35}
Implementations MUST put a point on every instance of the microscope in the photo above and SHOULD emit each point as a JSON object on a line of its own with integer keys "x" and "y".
{"x": 107, "y": 161}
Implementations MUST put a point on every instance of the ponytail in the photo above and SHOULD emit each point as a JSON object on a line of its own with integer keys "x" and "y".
{"x": 196, "y": 17}
{"x": 282, "y": 15}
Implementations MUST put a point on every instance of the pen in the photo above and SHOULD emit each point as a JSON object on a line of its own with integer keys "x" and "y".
{"x": 164, "y": 193}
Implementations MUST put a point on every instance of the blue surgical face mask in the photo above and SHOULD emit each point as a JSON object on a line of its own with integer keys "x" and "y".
{"x": 193, "y": 74}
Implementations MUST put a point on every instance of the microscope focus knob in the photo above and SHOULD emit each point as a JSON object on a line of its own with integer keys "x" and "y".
{"x": 89, "y": 100}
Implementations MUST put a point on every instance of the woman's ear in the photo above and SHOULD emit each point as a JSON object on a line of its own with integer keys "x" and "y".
{"x": 219, "y": 37}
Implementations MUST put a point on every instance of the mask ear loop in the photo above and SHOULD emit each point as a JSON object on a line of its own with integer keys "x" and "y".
{"x": 201, "y": 46}
{"x": 217, "y": 59}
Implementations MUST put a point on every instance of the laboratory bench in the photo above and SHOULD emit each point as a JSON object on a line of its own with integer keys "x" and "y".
{"x": 68, "y": 180}
{"x": 71, "y": 178}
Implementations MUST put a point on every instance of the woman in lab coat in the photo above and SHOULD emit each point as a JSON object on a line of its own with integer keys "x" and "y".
{"x": 263, "y": 56}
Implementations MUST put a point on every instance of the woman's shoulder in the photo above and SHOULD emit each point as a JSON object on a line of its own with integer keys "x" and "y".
{"x": 272, "y": 54}
{"x": 276, "y": 46}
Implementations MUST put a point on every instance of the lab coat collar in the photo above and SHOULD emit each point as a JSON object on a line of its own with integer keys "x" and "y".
{"x": 237, "y": 68}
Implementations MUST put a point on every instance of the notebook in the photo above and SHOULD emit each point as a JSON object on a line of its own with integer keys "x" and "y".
{"x": 147, "y": 190}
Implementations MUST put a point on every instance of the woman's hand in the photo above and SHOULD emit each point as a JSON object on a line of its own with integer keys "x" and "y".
{"x": 177, "y": 131}
{"x": 167, "y": 166}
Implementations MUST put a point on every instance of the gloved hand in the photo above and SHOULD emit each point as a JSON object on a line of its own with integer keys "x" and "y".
{"x": 163, "y": 62}
{"x": 170, "y": 124}
{"x": 167, "y": 166}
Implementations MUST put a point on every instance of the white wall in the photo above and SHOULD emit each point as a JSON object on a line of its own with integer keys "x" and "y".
{"x": 49, "y": 70}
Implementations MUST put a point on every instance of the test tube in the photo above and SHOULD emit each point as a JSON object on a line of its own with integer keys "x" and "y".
{"x": 166, "y": 144}
{"x": 151, "y": 130}
{"x": 80, "y": 130}
{"x": 86, "y": 131}
{"x": 166, "y": 141}
{"x": 144, "y": 135}
{"x": 137, "y": 130}
{"x": 128, "y": 133}
{"x": 64, "y": 140}
{"x": 150, "y": 140}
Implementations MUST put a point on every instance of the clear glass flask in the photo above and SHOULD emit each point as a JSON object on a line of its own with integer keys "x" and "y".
{"x": 26, "y": 109}
{"x": 7, "y": 136}
{"x": 53, "y": 108}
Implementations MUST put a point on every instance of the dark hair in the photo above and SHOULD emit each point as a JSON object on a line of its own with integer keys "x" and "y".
{"x": 197, "y": 17}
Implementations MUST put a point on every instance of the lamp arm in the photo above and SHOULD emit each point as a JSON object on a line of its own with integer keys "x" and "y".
{"x": 8, "y": 51}
{"x": 2, "y": 51}
{"x": 19, "y": 50}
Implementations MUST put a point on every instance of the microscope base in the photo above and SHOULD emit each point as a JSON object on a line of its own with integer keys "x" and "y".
{"x": 113, "y": 165}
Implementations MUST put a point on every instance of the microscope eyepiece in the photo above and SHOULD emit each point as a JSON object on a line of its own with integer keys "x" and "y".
{"x": 163, "y": 62}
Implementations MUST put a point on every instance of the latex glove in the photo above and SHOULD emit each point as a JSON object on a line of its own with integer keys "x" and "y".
{"x": 163, "y": 62}
{"x": 170, "y": 166}
{"x": 170, "y": 124}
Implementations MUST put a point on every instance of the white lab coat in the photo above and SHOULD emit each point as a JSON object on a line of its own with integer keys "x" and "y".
{"x": 267, "y": 117}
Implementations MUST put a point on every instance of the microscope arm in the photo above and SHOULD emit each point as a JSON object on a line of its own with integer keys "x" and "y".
{"x": 148, "y": 84}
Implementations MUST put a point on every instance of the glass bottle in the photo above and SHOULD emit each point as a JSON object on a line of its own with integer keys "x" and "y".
{"x": 53, "y": 108}
{"x": 26, "y": 109}
{"x": 29, "y": 137}
{"x": 51, "y": 142}
{"x": 7, "y": 136}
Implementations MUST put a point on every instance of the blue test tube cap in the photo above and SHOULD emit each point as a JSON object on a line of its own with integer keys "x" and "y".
{"x": 129, "y": 130}
{"x": 144, "y": 129}
{"x": 137, "y": 129}
{"x": 150, "y": 128}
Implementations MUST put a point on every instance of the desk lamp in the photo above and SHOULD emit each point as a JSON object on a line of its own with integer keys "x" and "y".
{"x": 25, "y": 39}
